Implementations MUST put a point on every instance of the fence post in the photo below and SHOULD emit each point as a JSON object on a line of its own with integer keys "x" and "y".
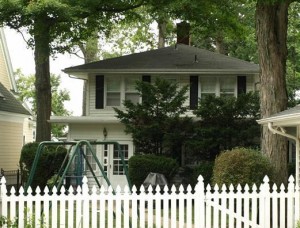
{"x": 264, "y": 203}
{"x": 297, "y": 203}
{"x": 199, "y": 203}
{"x": 85, "y": 198}
{"x": 290, "y": 202}
{"x": 3, "y": 200}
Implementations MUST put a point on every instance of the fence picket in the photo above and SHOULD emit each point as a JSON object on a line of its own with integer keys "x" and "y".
{"x": 202, "y": 208}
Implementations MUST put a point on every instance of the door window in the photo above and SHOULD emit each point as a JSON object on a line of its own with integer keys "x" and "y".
{"x": 118, "y": 168}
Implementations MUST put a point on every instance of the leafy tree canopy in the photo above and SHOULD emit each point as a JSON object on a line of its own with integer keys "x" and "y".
{"x": 153, "y": 121}
{"x": 226, "y": 122}
{"x": 26, "y": 93}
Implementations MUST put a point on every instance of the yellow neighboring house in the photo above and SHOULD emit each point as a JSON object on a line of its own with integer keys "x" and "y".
{"x": 16, "y": 126}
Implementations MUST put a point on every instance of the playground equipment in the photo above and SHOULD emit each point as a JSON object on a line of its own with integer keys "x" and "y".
{"x": 75, "y": 157}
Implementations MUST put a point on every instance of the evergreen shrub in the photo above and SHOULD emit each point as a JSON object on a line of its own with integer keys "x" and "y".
{"x": 204, "y": 168}
{"x": 241, "y": 166}
{"x": 49, "y": 163}
{"x": 141, "y": 165}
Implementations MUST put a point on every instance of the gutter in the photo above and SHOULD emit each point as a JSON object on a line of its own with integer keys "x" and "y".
{"x": 283, "y": 133}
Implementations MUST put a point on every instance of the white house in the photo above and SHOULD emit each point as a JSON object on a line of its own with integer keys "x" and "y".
{"x": 111, "y": 81}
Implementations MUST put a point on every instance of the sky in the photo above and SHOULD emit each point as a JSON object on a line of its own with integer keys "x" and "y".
{"x": 23, "y": 58}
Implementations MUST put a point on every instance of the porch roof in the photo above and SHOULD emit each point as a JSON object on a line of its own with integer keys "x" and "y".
{"x": 286, "y": 118}
{"x": 83, "y": 119}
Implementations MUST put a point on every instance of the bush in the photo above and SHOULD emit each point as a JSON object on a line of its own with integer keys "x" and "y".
{"x": 49, "y": 163}
{"x": 241, "y": 166}
{"x": 141, "y": 165}
{"x": 204, "y": 168}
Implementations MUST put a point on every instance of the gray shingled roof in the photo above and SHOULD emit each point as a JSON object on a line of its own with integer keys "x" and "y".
{"x": 290, "y": 111}
{"x": 8, "y": 103}
{"x": 170, "y": 59}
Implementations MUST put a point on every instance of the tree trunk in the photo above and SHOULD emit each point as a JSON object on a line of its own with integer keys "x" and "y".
{"x": 162, "y": 31}
{"x": 42, "y": 81}
{"x": 271, "y": 31}
{"x": 90, "y": 53}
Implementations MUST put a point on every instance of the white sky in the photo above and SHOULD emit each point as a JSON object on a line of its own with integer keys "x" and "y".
{"x": 23, "y": 58}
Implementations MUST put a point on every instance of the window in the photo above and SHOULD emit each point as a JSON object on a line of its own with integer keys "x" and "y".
{"x": 118, "y": 168}
{"x": 89, "y": 157}
{"x": 130, "y": 90}
{"x": 218, "y": 86}
{"x": 121, "y": 88}
{"x": 208, "y": 86}
{"x": 113, "y": 92}
{"x": 227, "y": 86}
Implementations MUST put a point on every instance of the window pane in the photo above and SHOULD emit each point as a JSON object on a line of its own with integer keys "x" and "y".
{"x": 113, "y": 84}
{"x": 113, "y": 99}
{"x": 133, "y": 97}
{"x": 130, "y": 83}
{"x": 118, "y": 168}
{"x": 227, "y": 86}
{"x": 208, "y": 85}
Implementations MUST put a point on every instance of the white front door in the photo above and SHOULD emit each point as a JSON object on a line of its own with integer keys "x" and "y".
{"x": 112, "y": 163}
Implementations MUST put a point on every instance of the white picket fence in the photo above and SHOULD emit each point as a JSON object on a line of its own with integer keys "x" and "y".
{"x": 201, "y": 207}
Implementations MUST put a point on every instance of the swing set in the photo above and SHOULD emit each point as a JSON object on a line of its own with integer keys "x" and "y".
{"x": 74, "y": 160}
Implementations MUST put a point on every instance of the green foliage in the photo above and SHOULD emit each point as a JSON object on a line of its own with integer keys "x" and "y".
{"x": 204, "y": 168}
{"x": 226, "y": 122}
{"x": 152, "y": 122}
{"x": 141, "y": 165}
{"x": 27, "y": 93}
{"x": 241, "y": 166}
{"x": 49, "y": 163}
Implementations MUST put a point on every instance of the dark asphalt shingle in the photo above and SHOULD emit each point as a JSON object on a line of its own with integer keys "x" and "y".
{"x": 8, "y": 102}
{"x": 183, "y": 57}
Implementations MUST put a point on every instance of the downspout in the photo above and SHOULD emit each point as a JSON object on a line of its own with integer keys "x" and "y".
{"x": 297, "y": 198}
{"x": 283, "y": 133}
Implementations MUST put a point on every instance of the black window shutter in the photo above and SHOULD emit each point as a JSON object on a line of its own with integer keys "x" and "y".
{"x": 146, "y": 78}
{"x": 241, "y": 84}
{"x": 99, "y": 92}
{"x": 193, "y": 92}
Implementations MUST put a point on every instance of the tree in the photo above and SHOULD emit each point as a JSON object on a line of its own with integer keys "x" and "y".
{"x": 154, "y": 120}
{"x": 27, "y": 93}
{"x": 225, "y": 123}
{"x": 271, "y": 30}
{"x": 53, "y": 25}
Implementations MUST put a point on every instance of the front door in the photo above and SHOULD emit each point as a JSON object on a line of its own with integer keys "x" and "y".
{"x": 112, "y": 163}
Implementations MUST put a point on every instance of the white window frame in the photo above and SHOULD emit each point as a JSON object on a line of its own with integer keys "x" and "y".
{"x": 123, "y": 91}
{"x": 217, "y": 92}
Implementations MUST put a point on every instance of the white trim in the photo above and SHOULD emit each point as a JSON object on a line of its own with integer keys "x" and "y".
{"x": 83, "y": 119}
{"x": 284, "y": 120}
{"x": 12, "y": 117}
{"x": 84, "y": 74}
{"x": 8, "y": 61}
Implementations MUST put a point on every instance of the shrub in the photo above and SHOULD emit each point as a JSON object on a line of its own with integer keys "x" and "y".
{"x": 49, "y": 163}
{"x": 241, "y": 166}
{"x": 204, "y": 168}
{"x": 141, "y": 165}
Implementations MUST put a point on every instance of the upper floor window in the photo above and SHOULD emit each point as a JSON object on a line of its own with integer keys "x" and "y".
{"x": 218, "y": 86}
{"x": 121, "y": 88}
{"x": 208, "y": 86}
{"x": 227, "y": 86}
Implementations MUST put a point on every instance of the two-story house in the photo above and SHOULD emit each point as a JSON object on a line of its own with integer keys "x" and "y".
{"x": 16, "y": 127}
{"x": 111, "y": 81}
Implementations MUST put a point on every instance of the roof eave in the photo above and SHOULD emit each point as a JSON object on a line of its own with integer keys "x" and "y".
{"x": 84, "y": 72}
{"x": 285, "y": 120}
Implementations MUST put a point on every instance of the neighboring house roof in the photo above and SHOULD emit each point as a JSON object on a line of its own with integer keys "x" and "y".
{"x": 8, "y": 102}
{"x": 174, "y": 59}
{"x": 289, "y": 117}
